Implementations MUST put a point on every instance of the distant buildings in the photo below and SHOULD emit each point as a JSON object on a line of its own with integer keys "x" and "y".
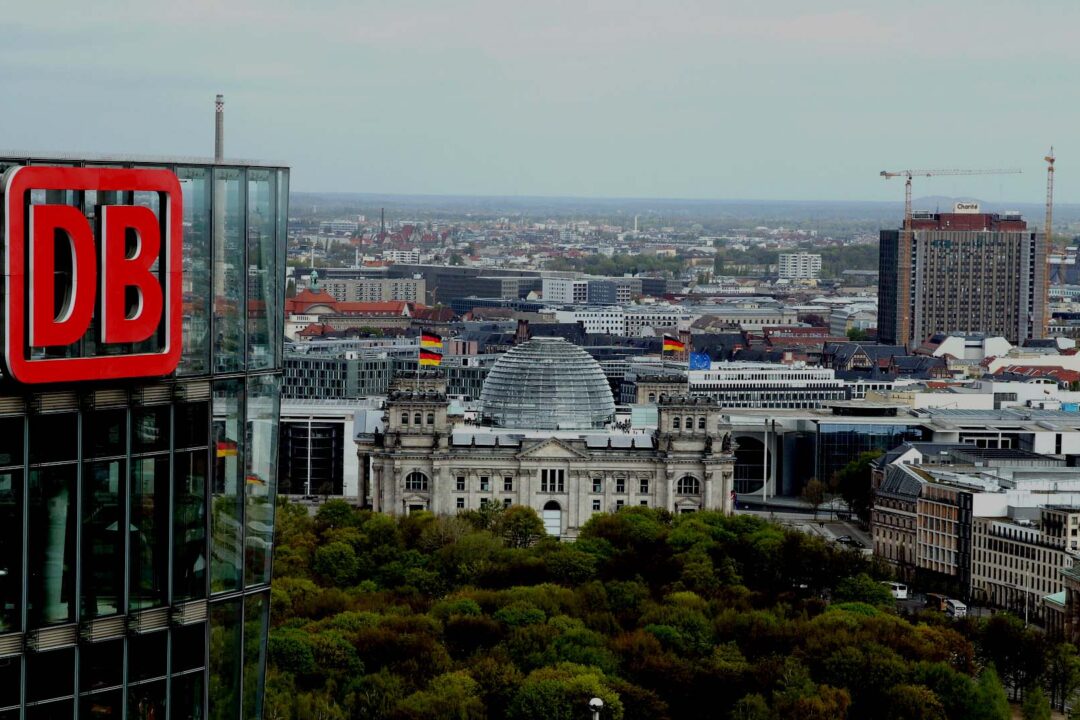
{"x": 967, "y": 272}
{"x": 994, "y": 526}
{"x": 799, "y": 266}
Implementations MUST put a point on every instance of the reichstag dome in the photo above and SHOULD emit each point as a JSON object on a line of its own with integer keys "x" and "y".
{"x": 546, "y": 384}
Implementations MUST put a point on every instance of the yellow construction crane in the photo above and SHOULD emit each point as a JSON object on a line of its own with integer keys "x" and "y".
{"x": 908, "y": 174}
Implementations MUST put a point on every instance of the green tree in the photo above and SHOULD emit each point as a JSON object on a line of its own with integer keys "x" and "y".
{"x": 750, "y": 707}
{"x": 1062, "y": 673}
{"x": 563, "y": 693}
{"x": 857, "y": 335}
{"x": 1036, "y": 706}
{"x": 853, "y": 481}
{"x": 912, "y": 702}
{"x": 863, "y": 588}
{"x": 519, "y": 526}
{"x": 814, "y": 493}
{"x": 337, "y": 562}
{"x": 335, "y": 514}
{"x": 452, "y": 696}
{"x": 993, "y": 704}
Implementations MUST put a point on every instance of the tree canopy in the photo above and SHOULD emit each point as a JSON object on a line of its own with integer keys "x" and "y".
{"x": 480, "y": 616}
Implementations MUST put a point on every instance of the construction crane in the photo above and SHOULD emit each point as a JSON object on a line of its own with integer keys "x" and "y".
{"x": 1049, "y": 229}
{"x": 908, "y": 174}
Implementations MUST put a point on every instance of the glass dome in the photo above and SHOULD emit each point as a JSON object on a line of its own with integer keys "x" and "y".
{"x": 546, "y": 384}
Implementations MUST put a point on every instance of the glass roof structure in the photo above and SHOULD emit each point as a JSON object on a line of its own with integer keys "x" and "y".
{"x": 547, "y": 384}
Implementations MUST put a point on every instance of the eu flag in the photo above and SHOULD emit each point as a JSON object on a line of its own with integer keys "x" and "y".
{"x": 700, "y": 361}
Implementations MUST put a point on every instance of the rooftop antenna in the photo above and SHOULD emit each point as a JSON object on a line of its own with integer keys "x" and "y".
{"x": 219, "y": 128}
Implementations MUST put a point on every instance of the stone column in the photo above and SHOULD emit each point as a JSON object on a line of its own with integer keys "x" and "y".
{"x": 377, "y": 488}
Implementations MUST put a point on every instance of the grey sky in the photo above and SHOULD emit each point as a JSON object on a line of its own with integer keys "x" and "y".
{"x": 781, "y": 99}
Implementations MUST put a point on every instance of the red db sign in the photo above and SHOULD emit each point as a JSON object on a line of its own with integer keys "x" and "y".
{"x": 62, "y": 275}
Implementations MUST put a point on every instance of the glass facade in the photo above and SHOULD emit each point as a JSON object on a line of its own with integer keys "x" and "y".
{"x": 549, "y": 384}
{"x": 840, "y": 443}
{"x": 137, "y": 518}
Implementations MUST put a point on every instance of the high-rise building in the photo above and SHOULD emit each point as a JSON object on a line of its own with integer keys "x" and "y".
{"x": 799, "y": 266}
{"x": 961, "y": 272}
{"x": 137, "y": 500}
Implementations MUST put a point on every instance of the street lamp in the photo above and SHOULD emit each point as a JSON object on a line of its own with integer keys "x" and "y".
{"x": 596, "y": 705}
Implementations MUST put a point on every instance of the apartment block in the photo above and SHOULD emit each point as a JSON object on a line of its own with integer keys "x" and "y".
{"x": 799, "y": 266}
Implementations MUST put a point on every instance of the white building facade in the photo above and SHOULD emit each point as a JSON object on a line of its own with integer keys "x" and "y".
{"x": 799, "y": 266}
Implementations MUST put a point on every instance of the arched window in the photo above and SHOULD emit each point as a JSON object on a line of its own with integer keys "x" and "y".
{"x": 417, "y": 480}
{"x": 652, "y": 397}
{"x": 688, "y": 485}
{"x": 701, "y": 423}
{"x": 431, "y": 418}
{"x": 416, "y": 419}
{"x": 404, "y": 418}
{"x": 675, "y": 423}
{"x": 689, "y": 423}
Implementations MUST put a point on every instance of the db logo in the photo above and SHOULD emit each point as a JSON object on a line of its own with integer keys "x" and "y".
{"x": 64, "y": 277}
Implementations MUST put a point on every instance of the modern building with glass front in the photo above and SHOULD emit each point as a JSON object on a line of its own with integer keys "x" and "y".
{"x": 137, "y": 516}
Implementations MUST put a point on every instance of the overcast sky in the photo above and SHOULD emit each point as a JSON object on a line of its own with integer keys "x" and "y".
{"x": 780, "y": 99}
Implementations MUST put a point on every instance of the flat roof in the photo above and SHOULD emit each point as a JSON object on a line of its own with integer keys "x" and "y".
{"x": 119, "y": 158}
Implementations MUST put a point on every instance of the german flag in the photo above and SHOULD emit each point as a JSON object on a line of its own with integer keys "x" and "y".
{"x": 673, "y": 344}
{"x": 430, "y": 340}
{"x": 430, "y": 357}
{"x": 253, "y": 479}
{"x": 226, "y": 448}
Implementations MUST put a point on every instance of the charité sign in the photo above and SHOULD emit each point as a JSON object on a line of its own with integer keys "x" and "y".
{"x": 61, "y": 274}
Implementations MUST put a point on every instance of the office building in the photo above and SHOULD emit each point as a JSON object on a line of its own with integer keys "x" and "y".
{"x": 767, "y": 385}
{"x": 567, "y": 291}
{"x": 961, "y": 272}
{"x": 137, "y": 512}
{"x": 799, "y": 266}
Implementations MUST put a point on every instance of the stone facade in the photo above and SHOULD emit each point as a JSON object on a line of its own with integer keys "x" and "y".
{"x": 422, "y": 460}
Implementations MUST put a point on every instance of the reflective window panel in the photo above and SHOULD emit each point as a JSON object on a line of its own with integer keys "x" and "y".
{"x": 103, "y": 537}
{"x": 227, "y": 498}
{"x": 149, "y": 528}
{"x": 264, "y": 335}
{"x": 230, "y": 269}
{"x": 226, "y": 633}
{"x": 11, "y": 522}
{"x": 255, "y": 619}
{"x": 263, "y": 402}
{"x": 195, "y": 184}
{"x": 51, "y": 545}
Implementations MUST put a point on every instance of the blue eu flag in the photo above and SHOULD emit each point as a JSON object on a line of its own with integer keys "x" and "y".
{"x": 700, "y": 361}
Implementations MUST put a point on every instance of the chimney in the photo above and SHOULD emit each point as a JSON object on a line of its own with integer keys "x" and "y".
{"x": 219, "y": 128}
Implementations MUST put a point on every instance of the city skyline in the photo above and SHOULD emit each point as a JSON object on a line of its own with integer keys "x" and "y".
{"x": 486, "y": 98}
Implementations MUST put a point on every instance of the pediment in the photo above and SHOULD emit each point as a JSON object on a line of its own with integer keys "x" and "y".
{"x": 552, "y": 449}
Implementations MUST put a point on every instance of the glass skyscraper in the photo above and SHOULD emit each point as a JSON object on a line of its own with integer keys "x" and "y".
{"x": 137, "y": 516}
